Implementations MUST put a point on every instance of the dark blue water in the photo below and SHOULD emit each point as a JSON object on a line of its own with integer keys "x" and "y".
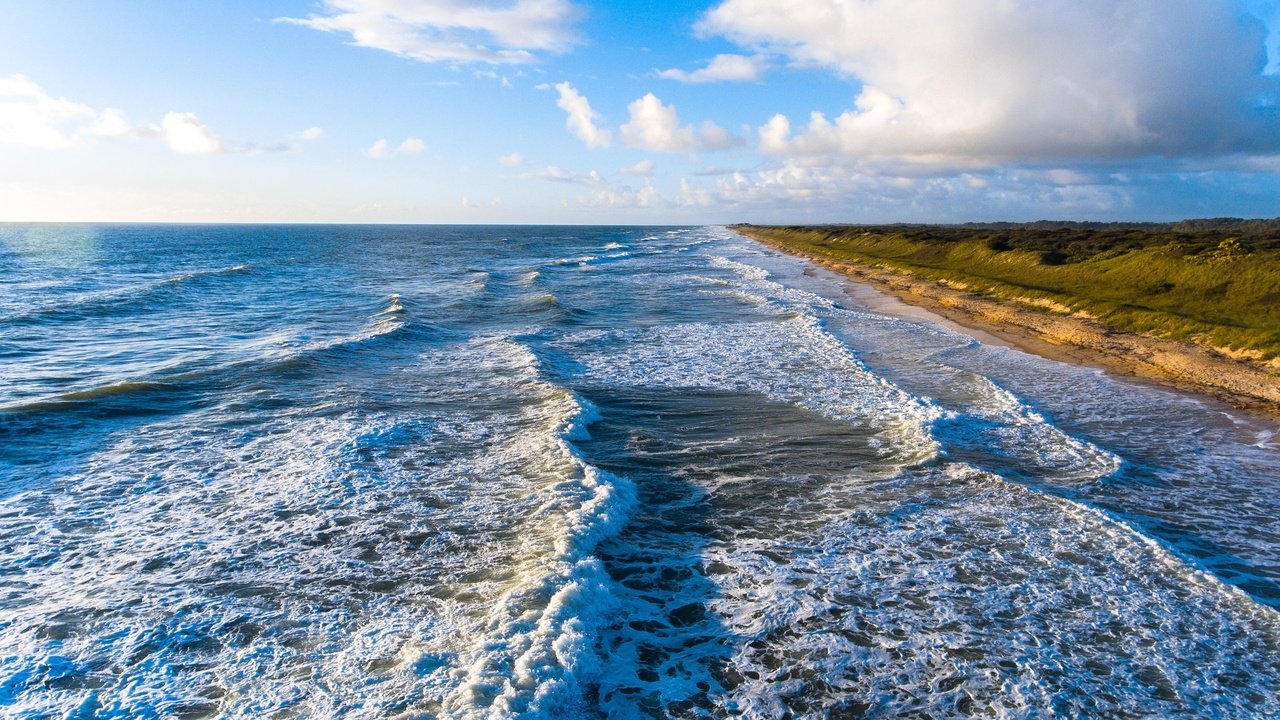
{"x": 490, "y": 472}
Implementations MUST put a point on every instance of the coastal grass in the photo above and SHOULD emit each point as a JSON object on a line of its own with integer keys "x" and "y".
{"x": 1213, "y": 282}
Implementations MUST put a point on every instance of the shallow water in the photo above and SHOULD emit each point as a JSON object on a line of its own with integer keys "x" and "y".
{"x": 470, "y": 472}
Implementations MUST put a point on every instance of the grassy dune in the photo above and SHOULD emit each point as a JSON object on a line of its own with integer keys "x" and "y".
{"x": 1214, "y": 282}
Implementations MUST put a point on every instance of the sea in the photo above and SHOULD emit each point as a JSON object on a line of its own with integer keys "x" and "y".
{"x": 591, "y": 472}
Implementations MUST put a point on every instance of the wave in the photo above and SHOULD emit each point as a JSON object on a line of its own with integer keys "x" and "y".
{"x": 95, "y": 303}
{"x": 955, "y": 582}
{"x": 79, "y": 398}
{"x": 187, "y": 373}
{"x": 994, "y": 419}
{"x": 929, "y": 577}
{"x": 331, "y": 514}
{"x": 790, "y": 360}
{"x": 386, "y": 323}
{"x": 1027, "y": 442}
{"x": 549, "y": 303}
{"x": 584, "y": 261}
{"x": 195, "y": 274}
{"x": 548, "y": 300}
{"x": 985, "y": 425}
{"x": 743, "y": 270}
{"x": 539, "y": 649}
{"x": 768, "y": 522}
{"x": 579, "y": 260}
{"x": 446, "y": 553}
{"x": 394, "y": 308}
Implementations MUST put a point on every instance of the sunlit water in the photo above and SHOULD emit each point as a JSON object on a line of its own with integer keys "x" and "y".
{"x": 461, "y": 472}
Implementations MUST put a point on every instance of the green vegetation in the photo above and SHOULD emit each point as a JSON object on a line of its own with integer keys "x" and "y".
{"x": 1215, "y": 282}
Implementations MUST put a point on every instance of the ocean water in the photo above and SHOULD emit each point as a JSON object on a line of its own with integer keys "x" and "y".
{"x": 493, "y": 472}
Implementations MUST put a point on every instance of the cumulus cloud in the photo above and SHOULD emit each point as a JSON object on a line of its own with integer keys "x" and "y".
{"x": 644, "y": 168}
{"x": 582, "y": 119}
{"x": 601, "y": 192}
{"x": 515, "y": 159}
{"x": 412, "y": 146}
{"x": 503, "y": 80}
{"x": 559, "y": 174}
{"x": 713, "y": 137}
{"x": 30, "y": 116}
{"x": 185, "y": 134}
{"x": 974, "y": 84}
{"x": 181, "y": 132}
{"x": 721, "y": 68}
{"x": 775, "y": 135}
{"x": 312, "y": 133}
{"x": 655, "y": 126}
{"x": 495, "y": 31}
{"x": 381, "y": 148}
{"x": 794, "y": 189}
{"x": 645, "y": 197}
{"x": 111, "y": 123}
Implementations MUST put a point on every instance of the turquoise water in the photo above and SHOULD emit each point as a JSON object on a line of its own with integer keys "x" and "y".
{"x": 489, "y": 472}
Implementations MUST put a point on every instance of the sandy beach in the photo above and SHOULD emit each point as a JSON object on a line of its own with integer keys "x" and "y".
{"x": 1248, "y": 385}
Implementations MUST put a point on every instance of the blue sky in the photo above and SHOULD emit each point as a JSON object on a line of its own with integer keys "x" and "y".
{"x": 550, "y": 111}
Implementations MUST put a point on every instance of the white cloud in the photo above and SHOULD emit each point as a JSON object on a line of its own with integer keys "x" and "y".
{"x": 644, "y": 168}
{"x": 496, "y": 32}
{"x": 695, "y": 196}
{"x": 722, "y": 68}
{"x": 645, "y": 197}
{"x": 254, "y": 150}
{"x": 775, "y": 135}
{"x": 312, "y": 133}
{"x": 513, "y": 160}
{"x": 411, "y": 146}
{"x": 381, "y": 148}
{"x": 582, "y": 119}
{"x": 604, "y": 194}
{"x": 112, "y": 123}
{"x": 713, "y": 137}
{"x": 976, "y": 84}
{"x": 559, "y": 174}
{"x": 181, "y": 132}
{"x": 503, "y": 80}
{"x": 30, "y": 116}
{"x": 185, "y": 134}
{"x": 654, "y": 126}
{"x": 713, "y": 170}
{"x": 864, "y": 194}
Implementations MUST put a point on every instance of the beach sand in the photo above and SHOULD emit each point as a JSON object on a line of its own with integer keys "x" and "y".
{"x": 1251, "y": 386}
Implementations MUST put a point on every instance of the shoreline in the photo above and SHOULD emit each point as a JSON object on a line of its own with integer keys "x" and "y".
{"x": 1174, "y": 364}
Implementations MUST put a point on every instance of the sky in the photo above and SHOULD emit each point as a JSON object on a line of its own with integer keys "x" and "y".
{"x": 621, "y": 112}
